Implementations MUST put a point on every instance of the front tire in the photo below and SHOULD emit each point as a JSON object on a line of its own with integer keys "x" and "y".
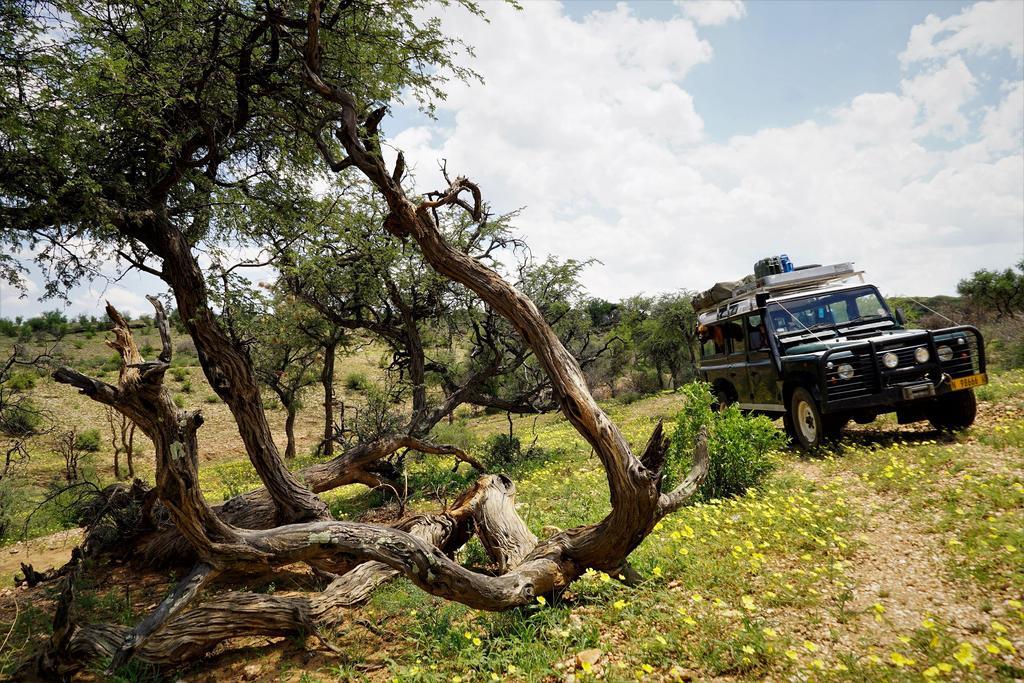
{"x": 808, "y": 425}
{"x": 954, "y": 412}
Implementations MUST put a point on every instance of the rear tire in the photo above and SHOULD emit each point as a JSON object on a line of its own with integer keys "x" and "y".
{"x": 954, "y": 412}
{"x": 808, "y": 425}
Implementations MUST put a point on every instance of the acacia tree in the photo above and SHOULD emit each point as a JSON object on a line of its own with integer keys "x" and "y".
{"x": 285, "y": 357}
{"x": 162, "y": 115}
{"x": 1002, "y": 291}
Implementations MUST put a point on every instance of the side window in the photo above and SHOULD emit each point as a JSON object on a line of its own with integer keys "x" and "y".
{"x": 712, "y": 341}
{"x": 757, "y": 334}
{"x": 737, "y": 337}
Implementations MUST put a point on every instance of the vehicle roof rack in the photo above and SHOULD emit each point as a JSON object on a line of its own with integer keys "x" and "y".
{"x": 796, "y": 281}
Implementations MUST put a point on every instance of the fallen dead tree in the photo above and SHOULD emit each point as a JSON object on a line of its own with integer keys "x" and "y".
{"x": 360, "y": 555}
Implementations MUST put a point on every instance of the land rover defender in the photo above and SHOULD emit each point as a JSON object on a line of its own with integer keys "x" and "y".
{"x": 818, "y": 346}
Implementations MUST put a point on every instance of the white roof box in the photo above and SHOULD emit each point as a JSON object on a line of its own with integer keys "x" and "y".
{"x": 806, "y": 276}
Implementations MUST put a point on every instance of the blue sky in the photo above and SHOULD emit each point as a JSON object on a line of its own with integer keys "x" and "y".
{"x": 706, "y": 135}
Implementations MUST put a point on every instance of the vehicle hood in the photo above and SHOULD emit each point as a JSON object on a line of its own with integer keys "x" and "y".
{"x": 847, "y": 339}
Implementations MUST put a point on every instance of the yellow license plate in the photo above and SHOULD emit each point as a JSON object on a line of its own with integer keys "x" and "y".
{"x": 968, "y": 382}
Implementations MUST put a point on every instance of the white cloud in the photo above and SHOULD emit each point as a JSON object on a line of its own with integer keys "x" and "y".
{"x": 943, "y": 92}
{"x": 712, "y": 12}
{"x": 589, "y": 125}
{"x": 981, "y": 28}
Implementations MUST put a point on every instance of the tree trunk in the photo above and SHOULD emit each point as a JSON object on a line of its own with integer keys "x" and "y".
{"x": 327, "y": 380}
{"x": 289, "y": 430}
{"x": 229, "y": 372}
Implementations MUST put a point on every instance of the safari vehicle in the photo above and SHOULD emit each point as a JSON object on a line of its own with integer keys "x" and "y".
{"x": 818, "y": 346}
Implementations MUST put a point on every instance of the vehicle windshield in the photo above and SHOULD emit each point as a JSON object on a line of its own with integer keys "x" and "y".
{"x": 828, "y": 310}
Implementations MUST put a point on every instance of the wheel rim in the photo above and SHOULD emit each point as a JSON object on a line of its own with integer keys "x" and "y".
{"x": 806, "y": 422}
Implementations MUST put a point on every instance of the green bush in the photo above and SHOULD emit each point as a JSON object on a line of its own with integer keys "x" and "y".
{"x": 741, "y": 448}
{"x": 211, "y": 398}
{"x": 88, "y": 440}
{"x": 186, "y": 387}
{"x": 179, "y": 400}
{"x": 502, "y": 450}
{"x": 22, "y": 381}
{"x": 179, "y": 374}
{"x": 20, "y": 418}
{"x": 357, "y": 381}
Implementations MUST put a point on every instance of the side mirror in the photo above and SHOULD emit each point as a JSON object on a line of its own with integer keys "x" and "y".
{"x": 899, "y": 317}
{"x": 761, "y": 298}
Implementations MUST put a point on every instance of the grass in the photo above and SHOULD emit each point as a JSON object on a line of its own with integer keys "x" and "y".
{"x": 763, "y": 585}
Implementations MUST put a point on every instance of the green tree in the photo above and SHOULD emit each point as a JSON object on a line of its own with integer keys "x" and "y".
{"x": 995, "y": 290}
{"x": 142, "y": 129}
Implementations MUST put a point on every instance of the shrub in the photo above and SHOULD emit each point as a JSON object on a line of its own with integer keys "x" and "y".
{"x": 20, "y": 418}
{"x": 502, "y": 450}
{"x": 740, "y": 448}
{"x": 89, "y": 440}
{"x": 186, "y": 387}
{"x": 179, "y": 374}
{"x": 147, "y": 350}
{"x": 357, "y": 381}
{"x": 22, "y": 381}
{"x": 179, "y": 400}
{"x": 211, "y": 398}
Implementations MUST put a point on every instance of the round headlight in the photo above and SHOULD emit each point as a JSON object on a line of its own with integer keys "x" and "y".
{"x": 845, "y": 371}
{"x": 921, "y": 355}
{"x": 890, "y": 360}
{"x": 945, "y": 353}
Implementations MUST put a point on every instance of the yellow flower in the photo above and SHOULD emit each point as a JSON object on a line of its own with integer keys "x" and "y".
{"x": 1006, "y": 644}
{"x": 928, "y": 623}
{"x": 769, "y": 632}
{"x": 748, "y": 603}
{"x": 696, "y": 597}
{"x": 1016, "y": 604}
{"x": 477, "y": 642}
{"x": 997, "y": 627}
{"x": 809, "y": 646}
{"x": 661, "y": 639}
{"x": 495, "y": 677}
{"x": 648, "y": 668}
{"x": 541, "y": 601}
{"x": 898, "y": 659}
{"x": 749, "y": 650}
{"x": 587, "y": 666}
{"x": 931, "y": 672}
{"x": 456, "y": 679}
{"x": 792, "y": 654}
{"x": 965, "y": 655}
{"x": 619, "y": 604}
{"x": 657, "y": 571}
{"x": 467, "y": 635}
{"x": 992, "y": 648}
{"x": 945, "y": 667}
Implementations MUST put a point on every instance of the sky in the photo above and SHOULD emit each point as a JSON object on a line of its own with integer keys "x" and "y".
{"x": 676, "y": 143}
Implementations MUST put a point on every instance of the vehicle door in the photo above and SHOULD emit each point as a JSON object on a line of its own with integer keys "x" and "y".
{"x": 762, "y": 389}
{"x": 713, "y": 362}
{"x": 736, "y": 340}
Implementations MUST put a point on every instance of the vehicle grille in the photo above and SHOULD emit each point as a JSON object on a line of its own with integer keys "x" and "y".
{"x": 861, "y": 384}
{"x": 966, "y": 359}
